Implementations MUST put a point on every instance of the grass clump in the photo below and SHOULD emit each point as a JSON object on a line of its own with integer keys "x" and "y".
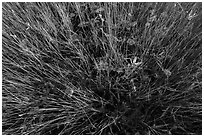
{"x": 102, "y": 68}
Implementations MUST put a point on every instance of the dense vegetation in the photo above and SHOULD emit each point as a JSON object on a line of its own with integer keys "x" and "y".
{"x": 101, "y": 68}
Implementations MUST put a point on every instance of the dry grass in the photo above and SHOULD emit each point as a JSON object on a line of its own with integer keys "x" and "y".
{"x": 102, "y": 68}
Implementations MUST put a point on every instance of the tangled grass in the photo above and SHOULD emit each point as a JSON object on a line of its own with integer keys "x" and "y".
{"x": 101, "y": 68}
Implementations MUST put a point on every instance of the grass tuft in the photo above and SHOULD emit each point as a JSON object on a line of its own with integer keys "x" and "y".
{"x": 101, "y": 68}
